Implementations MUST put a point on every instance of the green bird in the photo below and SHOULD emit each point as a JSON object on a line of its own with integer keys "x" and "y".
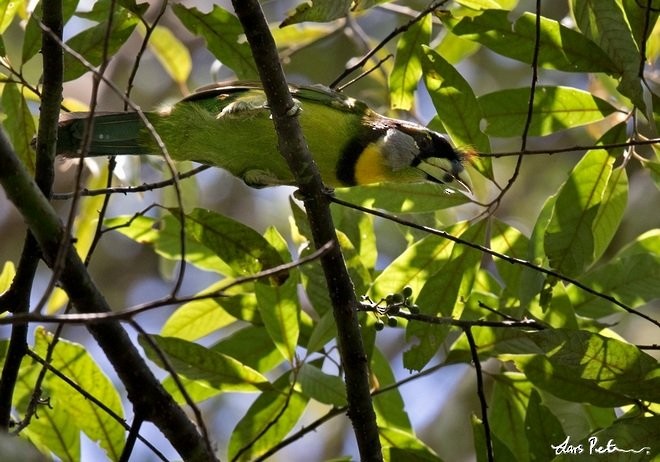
{"x": 228, "y": 125}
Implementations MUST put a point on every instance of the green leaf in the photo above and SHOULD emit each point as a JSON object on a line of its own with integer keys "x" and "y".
{"x": 404, "y": 446}
{"x": 223, "y": 34}
{"x": 165, "y": 235}
{"x": 19, "y": 124}
{"x": 91, "y": 43}
{"x": 171, "y": 53}
{"x": 584, "y": 202}
{"x": 582, "y": 366}
{"x": 479, "y": 436}
{"x": 197, "y": 319}
{"x": 415, "y": 265}
{"x": 280, "y": 313}
{"x": 603, "y": 22}
{"x": 479, "y": 4}
{"x": 508, "y": 406}
{"x": 74, "y": 361}
{"x": 509, "y": 241}
{"x": 198, "y": 363}
{"x": 390, "y": 407}
{"x": 610, "y": 213}
{"x": 555, "y": 109}
{"x": 315, "y": 282}
{"x": 251, "y": 346}
{"x": 325, "y": 330}
{"x": 637, "y": 19}
{"x": 33, "y": 33}
{"x": 317, "y": 11}
{"x": 267, "y": 422}
{"x": 6, "y": 277}
{"x": 238, "y": 245}
{"x": 457, "y": 106}
{"x": 532, "y": 281}
{"x": 542, "y": 428}
{"x": 455, "y": 49}
{"x": 8, "y": 9}
{"x": 560, "y": 48}
{"x": 632, "y": 280}
{"x": 403, "y": 197}
{"x": 440, "y": 295}
{"x": 55, "y": 431}
{"x": 322, "y": 387}
{"x": 407, "y": 68}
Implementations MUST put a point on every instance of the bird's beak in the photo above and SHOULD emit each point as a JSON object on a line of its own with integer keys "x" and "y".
{"x": 445, "y": 171}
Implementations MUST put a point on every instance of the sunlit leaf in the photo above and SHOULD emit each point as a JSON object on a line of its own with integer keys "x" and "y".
{"x": 440, "y": 296}
{"x": 223, "y": 34}
{"x": 457, "y": 107}
{"x": 251, "y": 346}
{"x": 560, "y": 48}
{"x": 165, "y": 236}
{"x": 324, "y": 388}
{"x": 403, "y": 197}
{"x": 555, "y": 109}
{"x": 632, "y": 280}
{"x": 586, "y": 367}
{"x": 581, "y": 206}
{"x": 74, "y": 361}
{"x": 268, "y": 420}
{"x": 403, "y": 445}
{"x": 238, "y": 245}
{"x": 97, "y": 43}
{"x": 6, "y": 276}
{"x": 603, "y": 22}
{"x": 8, "y": 9}
{"x": 280, "y": 313}
{"x": 198, "y": 318}
{"x": 198, "y": 363}
{"x": 408, "y": 65}
{"x": 317, "y": 11}
{"x": 171, "y": 53}
{"x": 20, "y": 125}
{"x": 390, "y": 407}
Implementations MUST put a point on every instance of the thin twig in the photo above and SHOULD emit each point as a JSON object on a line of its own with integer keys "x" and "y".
{"x": 133, "y": 189}
{"x": 480, "y": 392}
{"x": 530, "y": 111}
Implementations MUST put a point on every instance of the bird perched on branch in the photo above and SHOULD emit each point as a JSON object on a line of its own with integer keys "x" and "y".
{"x": 228, "y": 125}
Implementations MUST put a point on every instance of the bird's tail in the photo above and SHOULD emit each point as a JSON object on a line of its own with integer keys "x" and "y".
{"x": 113, "y": 133}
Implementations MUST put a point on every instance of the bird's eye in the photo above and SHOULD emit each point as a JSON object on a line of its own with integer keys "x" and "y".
{"x": 424, "y": 143}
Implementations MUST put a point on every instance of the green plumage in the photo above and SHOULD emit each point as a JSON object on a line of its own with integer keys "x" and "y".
{"x": 229, "y": 126}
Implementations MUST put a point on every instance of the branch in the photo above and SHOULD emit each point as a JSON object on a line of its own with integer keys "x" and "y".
{"x": 17, "y": 299}
{"x": 292, "y": 146}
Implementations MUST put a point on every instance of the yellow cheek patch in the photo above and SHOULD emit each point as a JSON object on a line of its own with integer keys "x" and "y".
{"x": 369, "y": 167}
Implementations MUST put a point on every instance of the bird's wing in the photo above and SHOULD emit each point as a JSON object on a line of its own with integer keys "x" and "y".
{"x": 229, "y": 92}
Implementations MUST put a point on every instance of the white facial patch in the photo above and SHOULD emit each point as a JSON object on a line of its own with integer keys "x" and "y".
{"x": 399, "y": 149}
